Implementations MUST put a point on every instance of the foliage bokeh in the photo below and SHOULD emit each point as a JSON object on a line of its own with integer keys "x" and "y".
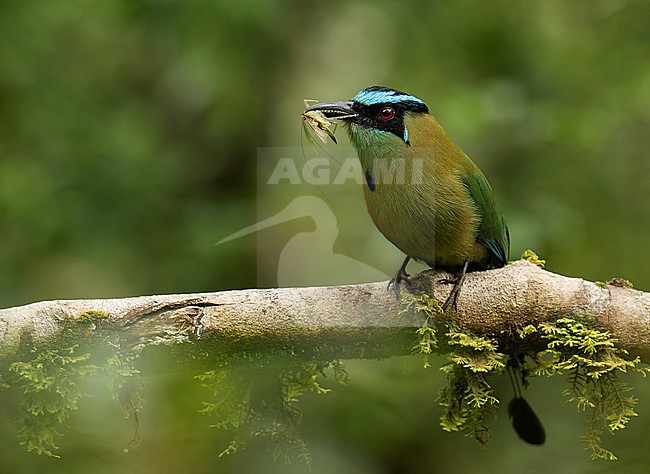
{"x": 128, "y": 144}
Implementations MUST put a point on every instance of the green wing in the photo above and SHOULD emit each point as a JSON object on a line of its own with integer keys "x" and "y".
{"x": 493, "y": 232}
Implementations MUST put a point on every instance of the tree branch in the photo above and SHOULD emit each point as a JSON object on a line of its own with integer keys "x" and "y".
{"x": 346, "y": 321}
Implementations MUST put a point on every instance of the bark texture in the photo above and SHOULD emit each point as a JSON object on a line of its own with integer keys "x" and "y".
{"x": 347, "y": 321}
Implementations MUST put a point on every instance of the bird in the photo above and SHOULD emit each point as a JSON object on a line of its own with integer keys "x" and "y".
{"x": 444, "y": 213}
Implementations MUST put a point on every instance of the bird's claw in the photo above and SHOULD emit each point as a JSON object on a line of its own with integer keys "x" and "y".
{"x": 457, "y": 281}
{"x": 396, "y": 281}
{"x": 452, "y": 299}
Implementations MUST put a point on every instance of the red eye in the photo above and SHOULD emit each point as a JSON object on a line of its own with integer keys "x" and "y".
{"x": 386, "y": 113}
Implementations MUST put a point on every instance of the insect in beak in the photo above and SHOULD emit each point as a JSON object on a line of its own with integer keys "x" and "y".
{"x": 321, "y": 125}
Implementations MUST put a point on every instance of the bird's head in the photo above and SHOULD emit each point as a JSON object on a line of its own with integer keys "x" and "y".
{"x": 376, "y": 116}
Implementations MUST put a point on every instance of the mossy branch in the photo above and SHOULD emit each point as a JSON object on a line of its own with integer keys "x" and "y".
{"x": 520, "y": 316}
{"x": 348, "y": 321}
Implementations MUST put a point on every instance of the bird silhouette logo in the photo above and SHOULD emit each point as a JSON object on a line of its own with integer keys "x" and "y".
{"x": 308, "y": 258}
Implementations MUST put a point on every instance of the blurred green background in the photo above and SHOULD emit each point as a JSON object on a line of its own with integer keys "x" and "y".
{"x": 129, "y": 136}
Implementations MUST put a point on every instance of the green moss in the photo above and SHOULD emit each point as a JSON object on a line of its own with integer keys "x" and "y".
{"x": 616, "y": 281}
{"x": 533, "y": 258}
{"x": 467, "y": 398}
{"x": 51, "y": 380}
{"x": 586, "y": 354}
{"x": 431, "y": 309}
{"x": 51, "y": 388}
{"x": 92, "y": 316}
{"x": 256, "y": 396}
{"x": 593, "y": 364}
{"x": 127, "y": 389}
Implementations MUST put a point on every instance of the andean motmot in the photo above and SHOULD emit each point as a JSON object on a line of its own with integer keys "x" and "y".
{"x": 444, "y": 215}
{"x": 443, "y": 212}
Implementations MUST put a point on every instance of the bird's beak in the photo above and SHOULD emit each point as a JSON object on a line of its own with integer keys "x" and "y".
{"x": 335, "y": 110}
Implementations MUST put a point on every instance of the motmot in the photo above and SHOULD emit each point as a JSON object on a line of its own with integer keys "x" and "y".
{"x": 446, "y": 216}
{"x": 443, "y": 214}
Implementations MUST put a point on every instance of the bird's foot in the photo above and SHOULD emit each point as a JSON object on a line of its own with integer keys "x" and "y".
{"x": 396, "y": 281}
{"x": 400, "y": 276}
{"x": 457, "y": 280}
{"x": 452, "y": 299}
